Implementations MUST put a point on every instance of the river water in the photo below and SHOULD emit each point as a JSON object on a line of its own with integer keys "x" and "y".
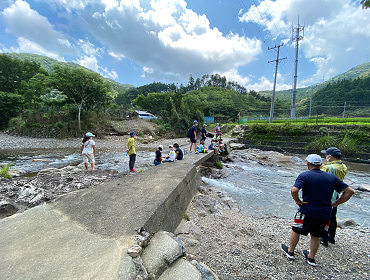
{"x": 260, "y": 190}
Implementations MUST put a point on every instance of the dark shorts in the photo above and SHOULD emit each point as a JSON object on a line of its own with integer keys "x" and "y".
{"x": 192, "y": 140}
{"x": 305, "y": 225}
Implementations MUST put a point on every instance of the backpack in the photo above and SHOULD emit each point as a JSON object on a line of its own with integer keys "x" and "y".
{"x": 190, "y": 133}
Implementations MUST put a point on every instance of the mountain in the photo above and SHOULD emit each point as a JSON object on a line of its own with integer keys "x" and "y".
{"x": 47, "y": 62}
{"x": 360, "y": 71}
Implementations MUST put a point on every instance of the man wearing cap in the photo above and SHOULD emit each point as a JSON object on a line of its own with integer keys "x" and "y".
{"x": 314, "y": 210}
{"x": 192, "y": 134}
{"x": 203, "y": 133}
{"x": 131, "y": 151}
{"x": 336, "y": 167}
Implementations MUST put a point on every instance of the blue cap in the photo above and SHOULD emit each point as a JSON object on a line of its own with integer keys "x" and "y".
{"x": 333, "y": 151}
{"x": 89, "y": 134}
{"x": 132, "y": 133}
{"x": 194, "y": 122}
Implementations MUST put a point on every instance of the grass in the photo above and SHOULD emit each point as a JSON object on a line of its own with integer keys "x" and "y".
{"x": 219, "y": 165}
{"x": 4, "y": 171}
{"x": 318, "y": 121}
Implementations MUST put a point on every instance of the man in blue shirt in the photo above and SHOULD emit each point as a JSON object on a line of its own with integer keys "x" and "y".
{"x": 315, "y": 208}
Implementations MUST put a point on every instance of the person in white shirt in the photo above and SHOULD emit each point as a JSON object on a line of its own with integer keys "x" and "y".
{"x": 171, "y": 155}
{"x": 88, "y": 150}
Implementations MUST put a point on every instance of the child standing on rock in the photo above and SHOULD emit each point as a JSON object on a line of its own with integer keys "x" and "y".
{"x": 88, "y": 150}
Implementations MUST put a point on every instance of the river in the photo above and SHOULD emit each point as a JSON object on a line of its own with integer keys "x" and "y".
{"x": 261, "y": 190}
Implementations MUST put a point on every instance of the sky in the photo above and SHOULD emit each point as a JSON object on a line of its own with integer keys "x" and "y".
{"x": 138, "y": 42}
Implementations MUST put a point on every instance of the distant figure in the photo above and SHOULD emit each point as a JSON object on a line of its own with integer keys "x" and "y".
{"x": 131, "y": 151}
{"x": 214, "y": 146}
{"x": 203, "y": 133}
{"x": 192, "y": 134}
{"x": 218, "y": 130}
{"x": 314, "y": 210}
{"x": 178, "y": 152}
{"x": 202, "y": 148}
{"x": 336, "y": 167}
{"x": 88, "y": 150}
{"x": 158, "y": 156}
{"x": 171, "y": 155}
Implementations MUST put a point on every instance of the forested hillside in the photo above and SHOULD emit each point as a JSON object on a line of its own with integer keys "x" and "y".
{"x": 47, "y": 62}
{"x": 351, "y": 97}
{"x": 360, "y": 71}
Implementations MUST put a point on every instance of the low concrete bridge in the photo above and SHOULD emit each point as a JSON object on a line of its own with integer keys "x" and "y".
{"x": 85, "y": 234}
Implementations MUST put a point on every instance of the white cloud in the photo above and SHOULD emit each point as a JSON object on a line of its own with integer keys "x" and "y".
{"x": 266, "y": 84}
{"x": 26, "y": 23}
{"x": 26, "y": 45}
{"x": 336, "y": 34}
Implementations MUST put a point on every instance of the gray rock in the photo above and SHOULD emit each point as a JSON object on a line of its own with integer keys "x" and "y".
{"x": 181, "y": 269}
{"x": 7, "y": 208}
{"x": 161, "y": 250}
{"x": 134, "y": 251}
{"x": 141, "y": 272}
{"x": 346, "y": 223}
{"x": 208, "y": 204}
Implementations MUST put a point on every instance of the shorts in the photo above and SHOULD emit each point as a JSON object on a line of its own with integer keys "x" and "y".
{"x": 88, "y": 158}
{"x": 192, "y": 140}
{"x": 305, "y": 225}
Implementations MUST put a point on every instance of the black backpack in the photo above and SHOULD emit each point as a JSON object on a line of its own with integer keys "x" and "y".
{"x": 190, "y": 133}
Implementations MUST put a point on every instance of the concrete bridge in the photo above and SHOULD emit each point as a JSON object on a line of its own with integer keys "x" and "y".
{"x": 85, "y": 234}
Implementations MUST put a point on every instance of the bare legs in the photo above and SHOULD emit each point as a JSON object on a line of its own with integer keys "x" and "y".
{"x": 314, "y": 245}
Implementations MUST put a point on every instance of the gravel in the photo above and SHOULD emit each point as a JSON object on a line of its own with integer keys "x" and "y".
{"x": 238, "y": 246}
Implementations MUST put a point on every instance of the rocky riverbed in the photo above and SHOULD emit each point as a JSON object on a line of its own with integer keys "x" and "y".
{"x": 234, "y": 245}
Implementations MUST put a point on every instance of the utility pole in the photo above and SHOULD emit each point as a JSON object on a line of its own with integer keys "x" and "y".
{"x": 273, "y": 91}
{"x": 309, "y": 115}
{"x": 344, "y": 109}
{"x": 296, "y": 39}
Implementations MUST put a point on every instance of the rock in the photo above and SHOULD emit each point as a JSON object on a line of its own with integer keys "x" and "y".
{"x": 141, "y": 272}
{"x": 183, "y": 270}
{"x": 134, "y": 251}
{"x": 363, "y": 188}
{"x": 7, "y": 207}
{"x": 206, "y": 273}
{"x": 346, "y": 223}
{"x": 208, "y": 204}
{"x": 161, "y": 251}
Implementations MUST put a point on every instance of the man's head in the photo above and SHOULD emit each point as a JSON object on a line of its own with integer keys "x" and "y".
{"x": 313, "y": 161}
{"x": 170, "y": 147}
{"x": 176, "y": 145}
{"x": 195, "y": 123}
{"x": 332, "y": 153}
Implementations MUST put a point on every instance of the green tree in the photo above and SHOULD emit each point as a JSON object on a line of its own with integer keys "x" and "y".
{"x": 10, "y": 106}
{"x": 87, "y": 90}
{"x": 365, "y": 4}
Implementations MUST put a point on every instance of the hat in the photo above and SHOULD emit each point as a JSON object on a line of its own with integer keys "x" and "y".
{"x": 170, "y": 146}
{"x": 314, "y": 159}
{"x": 194, "y": 122}
{"x": 89, "y": 134}
{"x": 160, "y": 147}
{"x": 333, "y": 151}
{"x": 204, "y": 125}
{"x": 132, "y": 133}
{"x": 176, "y": 145}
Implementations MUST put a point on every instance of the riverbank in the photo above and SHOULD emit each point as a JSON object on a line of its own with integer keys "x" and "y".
{"x": 239, "y": 246}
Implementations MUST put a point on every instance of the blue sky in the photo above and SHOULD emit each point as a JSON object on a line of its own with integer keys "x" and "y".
{"x": 141, "y": 41}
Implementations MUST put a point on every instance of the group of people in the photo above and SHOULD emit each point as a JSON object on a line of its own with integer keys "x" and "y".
{"x": 320, "y": 187}
{"x": 216, "y": 144}
{"x": 88, "y": 152}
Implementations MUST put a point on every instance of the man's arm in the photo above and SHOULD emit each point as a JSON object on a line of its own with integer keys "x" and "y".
{"x": 294, "y": 191}
{"x": 347, "y": 193}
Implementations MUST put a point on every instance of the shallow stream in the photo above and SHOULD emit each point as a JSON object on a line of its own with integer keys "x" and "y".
{"x": 260, "y": 190}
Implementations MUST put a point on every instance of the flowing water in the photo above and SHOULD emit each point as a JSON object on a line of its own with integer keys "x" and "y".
{"x": 260, "y": 190}
{"x": 265, "y": 191}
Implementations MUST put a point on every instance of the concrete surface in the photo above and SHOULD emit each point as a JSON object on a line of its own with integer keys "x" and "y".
{"x": 85, "y": 234}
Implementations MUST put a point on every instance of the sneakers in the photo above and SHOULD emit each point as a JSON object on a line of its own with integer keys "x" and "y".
{"x": 324, "y": 242}
{"x": 133, "y": 170}
{"x": 196, "y": 153}
{"x": 290, "y": 255}
{"x": 310, "y": 261}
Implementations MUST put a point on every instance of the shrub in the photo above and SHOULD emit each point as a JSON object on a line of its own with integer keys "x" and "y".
{"x": 322, "y": 143}
{"x": 219, "y": 165}
{"x": 16, "y": 123}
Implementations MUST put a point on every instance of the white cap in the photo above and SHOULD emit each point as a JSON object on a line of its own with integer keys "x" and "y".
{"x": 314, "y": 159}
